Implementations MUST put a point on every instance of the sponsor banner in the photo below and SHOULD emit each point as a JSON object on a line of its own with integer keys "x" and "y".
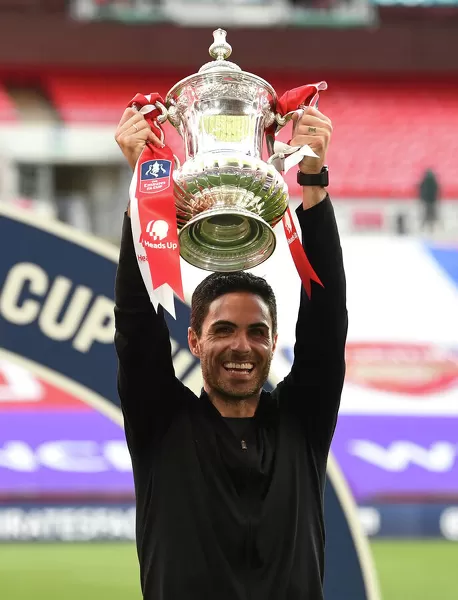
{"x": 400, "y": 457}
{"x": 51, "y": 453}
{"x": 56, "y": 320}
{"x": 399, "y": 378}
{"x": 410, "y": 521}
{"x": 116, "y": 522}
{"x": 52, "y": 444}
{"x": 409, "y": 369}
{"x": 402, "y": 350}
{"x": 70, "y": 523}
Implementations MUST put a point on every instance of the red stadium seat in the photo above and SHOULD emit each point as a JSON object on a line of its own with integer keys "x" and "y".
{"x": 88, "y": 99}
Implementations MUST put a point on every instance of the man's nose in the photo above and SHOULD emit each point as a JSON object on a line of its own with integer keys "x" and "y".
{"x": 240, "y": 342}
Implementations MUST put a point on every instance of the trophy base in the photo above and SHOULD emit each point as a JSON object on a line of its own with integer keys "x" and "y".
{"x": 226, "y": 240}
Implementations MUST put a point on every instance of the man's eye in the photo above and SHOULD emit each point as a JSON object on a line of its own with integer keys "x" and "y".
{"x": 259, "y": 332}
{"x": 223, "y": 330}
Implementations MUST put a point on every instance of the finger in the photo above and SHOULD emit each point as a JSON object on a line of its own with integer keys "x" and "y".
{"x": 315, "y": 121}
{"x": 136, "y": 119}
{"x": 311, "y": 133}
{"x": 137, "y": 126}
{"x": 131, "y": 137}
{"x": 315, "y": 127}
{"x": 317, "y": 144}
{"x": 314, "y": 112}
{"x": 126, "y": 115}
{"x": 297, "y": 114}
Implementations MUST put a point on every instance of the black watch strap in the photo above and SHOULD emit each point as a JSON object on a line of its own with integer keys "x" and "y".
{"x": 317, "y": 179}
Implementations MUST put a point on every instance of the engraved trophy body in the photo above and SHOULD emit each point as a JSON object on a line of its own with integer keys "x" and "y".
{"x": 228, "y": 199}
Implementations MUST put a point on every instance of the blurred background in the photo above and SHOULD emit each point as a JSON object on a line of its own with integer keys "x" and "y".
{"x": 68, "y": 68}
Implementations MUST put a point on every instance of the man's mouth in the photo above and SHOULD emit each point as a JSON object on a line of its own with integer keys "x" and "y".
{"x": 238, "y": 367}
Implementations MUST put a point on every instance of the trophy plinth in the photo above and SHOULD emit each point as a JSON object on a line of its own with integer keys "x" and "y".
{"x": 227, "y": 198}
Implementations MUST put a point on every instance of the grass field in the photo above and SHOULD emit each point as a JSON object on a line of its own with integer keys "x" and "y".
{"x": 407, "y": 571}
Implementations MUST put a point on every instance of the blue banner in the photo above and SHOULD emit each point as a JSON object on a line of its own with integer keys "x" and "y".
{"x": 56, "y": 318}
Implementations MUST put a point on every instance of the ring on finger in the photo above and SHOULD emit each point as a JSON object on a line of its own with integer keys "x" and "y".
{"x": 312, "y": 129}
{"x": 135, "y": 127}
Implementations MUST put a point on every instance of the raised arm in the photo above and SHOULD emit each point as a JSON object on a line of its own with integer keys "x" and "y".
{"x": 147, "y": 386}
{"x": 313, "y": 388}
{"x": 148, "y": 389}
{"x": 315, "y": 382}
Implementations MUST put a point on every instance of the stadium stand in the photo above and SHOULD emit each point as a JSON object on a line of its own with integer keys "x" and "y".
{"x": 387, "y": 132}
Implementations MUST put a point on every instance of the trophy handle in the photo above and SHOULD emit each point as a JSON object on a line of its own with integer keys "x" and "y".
{"x": 281, "y": 121}
{"x": 278, "y": 154}
{"x": 162, "y": 118}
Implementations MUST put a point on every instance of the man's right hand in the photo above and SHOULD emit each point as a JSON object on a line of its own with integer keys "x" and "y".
{"x": 132, "y": 134}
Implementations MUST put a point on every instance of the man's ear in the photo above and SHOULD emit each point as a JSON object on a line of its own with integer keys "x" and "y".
{"x": 193, "y": 342}
{"x": 274, "y": 342}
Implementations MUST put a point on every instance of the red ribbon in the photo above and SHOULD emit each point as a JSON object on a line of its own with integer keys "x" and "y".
{"x": 156, "y": 205}
{"x": 306, "y": 95}
{"x": 303, "y": 266}
{"x": 291, "y": 100}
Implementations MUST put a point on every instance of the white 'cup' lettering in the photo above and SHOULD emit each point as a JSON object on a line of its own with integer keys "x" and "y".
{"x": 63, "y": 311}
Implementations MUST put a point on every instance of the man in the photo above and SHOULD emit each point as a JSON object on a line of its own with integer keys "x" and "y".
{"x": 229, "y": 485}
{"x": 429, "y": 197}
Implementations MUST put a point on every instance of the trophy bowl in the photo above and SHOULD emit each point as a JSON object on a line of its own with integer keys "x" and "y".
{"x": 227, "y": 198}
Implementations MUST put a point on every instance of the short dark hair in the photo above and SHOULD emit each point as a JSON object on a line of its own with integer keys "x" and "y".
{"x": 218, "y": 284}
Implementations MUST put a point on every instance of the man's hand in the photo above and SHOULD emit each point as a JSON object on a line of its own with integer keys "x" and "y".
{"x": 315, "y": 129}
{"x": 132, "y": 134}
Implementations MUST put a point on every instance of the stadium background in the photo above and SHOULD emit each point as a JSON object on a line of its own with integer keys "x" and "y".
{"x": 67, "y": 69}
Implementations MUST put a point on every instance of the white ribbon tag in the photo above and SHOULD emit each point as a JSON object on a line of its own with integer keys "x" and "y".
{"x": 293, "y": 154}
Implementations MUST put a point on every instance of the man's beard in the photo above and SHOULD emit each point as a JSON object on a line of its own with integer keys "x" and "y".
{"x": 229, "y": 392}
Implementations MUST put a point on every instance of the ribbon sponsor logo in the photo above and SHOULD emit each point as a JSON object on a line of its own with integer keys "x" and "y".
{"x": 156, "y": 231}
{"x": 291, "y": 234}
{"x": 155, "y": 176}
{"x": 302, "y": 263}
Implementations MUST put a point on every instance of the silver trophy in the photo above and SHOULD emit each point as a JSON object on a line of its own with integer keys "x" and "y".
{"x": 228, "y": 199}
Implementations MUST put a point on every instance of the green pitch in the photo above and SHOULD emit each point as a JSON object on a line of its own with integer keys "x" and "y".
{"x": 406, "y": 570}
{"x": 418, "y": 570}
{"x": 68, "y": 572}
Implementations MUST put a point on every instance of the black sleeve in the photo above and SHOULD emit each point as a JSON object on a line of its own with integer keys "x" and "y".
{"x": 147, "y": 386}
{"x": 313, "y": 387}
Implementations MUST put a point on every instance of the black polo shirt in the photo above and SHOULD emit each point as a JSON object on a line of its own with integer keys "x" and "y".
{"x": 232, "y": 509}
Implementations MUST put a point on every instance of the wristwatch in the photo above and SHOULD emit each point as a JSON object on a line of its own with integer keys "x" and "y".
{"x": 320, "y": 179}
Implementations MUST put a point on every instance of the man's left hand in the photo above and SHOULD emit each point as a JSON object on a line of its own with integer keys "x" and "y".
{"x": 315, "y": 129}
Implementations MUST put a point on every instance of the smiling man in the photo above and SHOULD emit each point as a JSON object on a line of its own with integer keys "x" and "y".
{"x": 229, "y": 485}
{"x": 233, "y": 332}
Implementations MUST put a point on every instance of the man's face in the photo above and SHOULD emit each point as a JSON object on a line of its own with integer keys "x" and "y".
{"x": 236, "y": 345}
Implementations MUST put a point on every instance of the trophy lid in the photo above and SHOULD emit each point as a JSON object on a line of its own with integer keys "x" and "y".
{"x": 219, "y": 51}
